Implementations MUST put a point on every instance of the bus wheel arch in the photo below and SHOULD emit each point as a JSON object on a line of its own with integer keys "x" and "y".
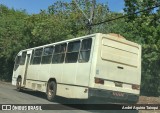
{"x": 19, "y": 83}
{"x": 51, "y": 89}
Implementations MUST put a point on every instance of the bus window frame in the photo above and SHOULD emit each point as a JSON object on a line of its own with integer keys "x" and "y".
{"x": 16, "y": 65}
{"x": 62, "y": 53}
{"x": 37, "y": 56}
{"x": 51, "y": 55}
{"x": 81, "y": 60}
{"x": 23, "y": 59}
{"x": 71, "y": 52}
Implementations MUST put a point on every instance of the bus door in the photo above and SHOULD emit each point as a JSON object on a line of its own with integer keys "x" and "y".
{"x": 16, "y": 69}
{"x": 26, "y": 68}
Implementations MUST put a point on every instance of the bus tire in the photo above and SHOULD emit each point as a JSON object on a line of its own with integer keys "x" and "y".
{"x": 18, "y": 84}
{"x": 51, "y": 90}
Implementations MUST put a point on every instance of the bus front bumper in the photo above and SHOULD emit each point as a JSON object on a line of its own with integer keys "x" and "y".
{"x": 113, "y": 96}
{"x": 14, "y": 80}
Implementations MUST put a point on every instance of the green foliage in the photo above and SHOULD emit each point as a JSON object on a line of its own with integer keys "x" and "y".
{"x": 144, "y": 29}
{"x": 11, "y": 38}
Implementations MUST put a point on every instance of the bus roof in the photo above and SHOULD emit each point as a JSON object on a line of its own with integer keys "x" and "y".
{"x": 69, "y": 40}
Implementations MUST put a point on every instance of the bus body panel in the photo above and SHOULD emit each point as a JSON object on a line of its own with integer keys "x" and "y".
{"x": 44, "y": 72}
{"x": 118, "y": 65}
{"x": 33, "y": 71}
{"x": 83, "y": 74}
{"x": 72, "y": 91}
{"x": 69, "y": 73}
{"x": 56, "y": 72}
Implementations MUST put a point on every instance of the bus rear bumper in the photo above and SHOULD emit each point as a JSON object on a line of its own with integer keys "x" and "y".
{"x": 113, "y": 96}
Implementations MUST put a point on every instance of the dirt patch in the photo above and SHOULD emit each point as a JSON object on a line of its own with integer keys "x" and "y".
{"x": 149, "y": 100}
{"x": 7, "y": 83}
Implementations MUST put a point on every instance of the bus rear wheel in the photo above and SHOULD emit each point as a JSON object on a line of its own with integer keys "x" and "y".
{"x": 51, "y": 90}
{"x": 18, "y": 84}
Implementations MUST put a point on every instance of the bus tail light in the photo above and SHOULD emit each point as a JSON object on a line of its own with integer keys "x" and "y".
{"x": 137, "y": 87}
{"x": 99, "y": 81}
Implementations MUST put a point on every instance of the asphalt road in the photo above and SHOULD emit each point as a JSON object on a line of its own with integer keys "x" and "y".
{"x": 9, "y": 95}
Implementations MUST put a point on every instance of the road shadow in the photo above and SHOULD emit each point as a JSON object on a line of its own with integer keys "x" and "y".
{"x": 33, "y": 93}
{"x": 93, "y": 105}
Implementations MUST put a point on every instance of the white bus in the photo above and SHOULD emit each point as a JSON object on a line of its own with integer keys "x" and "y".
{"x": 97, "y": 65}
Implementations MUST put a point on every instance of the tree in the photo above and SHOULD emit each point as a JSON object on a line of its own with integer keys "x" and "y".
{"x": 144, "y": 29}
{"x": 11, "y": 38}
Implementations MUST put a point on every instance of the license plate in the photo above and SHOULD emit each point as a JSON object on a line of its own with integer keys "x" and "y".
{"x": 118, "y": 94}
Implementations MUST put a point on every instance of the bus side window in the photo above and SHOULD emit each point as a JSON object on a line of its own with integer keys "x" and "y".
{"x": 72, "y": 52}
{"x": 17, "y": 61}
{"x": 47, "y": 55}
{"x": 37, "y": 56}
{"x": 59, "y": 53}
{"x": 23, "y": 58}
{"x": 31, "y": 61}
{"x": 84, "y": 54}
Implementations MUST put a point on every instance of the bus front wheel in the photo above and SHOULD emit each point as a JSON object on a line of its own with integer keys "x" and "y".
{"x": 51, "y": 90}
{"x": 18, "y": 84}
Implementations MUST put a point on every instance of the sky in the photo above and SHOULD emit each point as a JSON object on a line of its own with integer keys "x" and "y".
{"x": 34, "y": 6}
